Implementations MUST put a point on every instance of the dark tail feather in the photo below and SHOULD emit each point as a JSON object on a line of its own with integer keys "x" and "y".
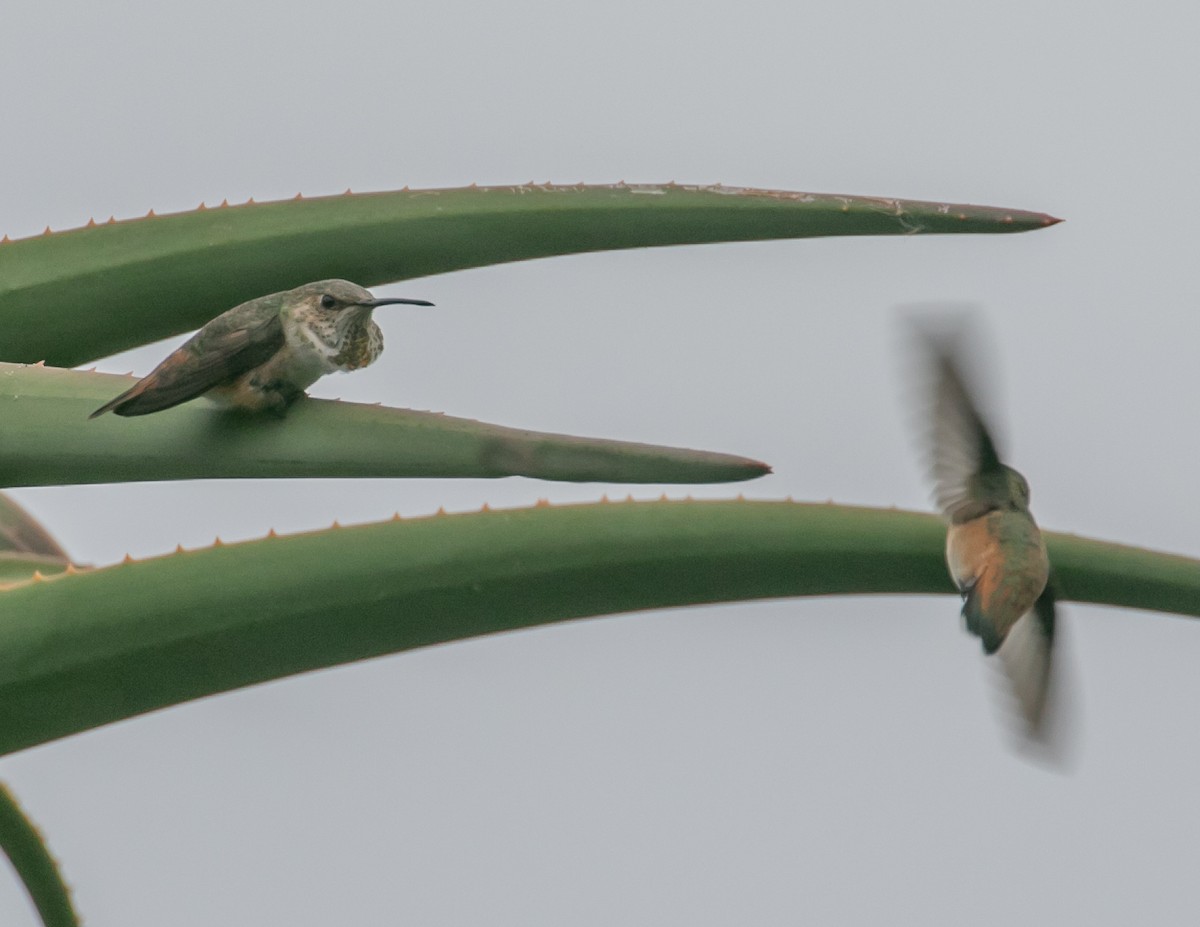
{"x": 138, "y": 400}
{"x": 977, "y": 622}
{"x": 112, "y": 404}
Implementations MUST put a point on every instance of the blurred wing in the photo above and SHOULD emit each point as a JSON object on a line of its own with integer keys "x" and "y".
{"x": 220, "y": 351}
{"x": 961, "y": 446}
{"x": 1027, "y": 657}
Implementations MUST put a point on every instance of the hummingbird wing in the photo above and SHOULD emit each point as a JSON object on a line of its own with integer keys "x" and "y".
{"x": 1026, "y": 656}
{"x": 961, "y": 447}
{"x": 232, "y": 343}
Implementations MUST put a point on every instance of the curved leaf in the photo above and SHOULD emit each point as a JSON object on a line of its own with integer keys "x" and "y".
{"x": 46, "y": 439}
{"x": 86, "y": 649}
{"x": 72, "y": 296}
{"x": 23, "y": 846}
{"x": 21, "y": 533}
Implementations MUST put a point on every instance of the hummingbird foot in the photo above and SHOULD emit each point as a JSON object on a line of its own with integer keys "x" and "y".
{"x": 248, "y": 395}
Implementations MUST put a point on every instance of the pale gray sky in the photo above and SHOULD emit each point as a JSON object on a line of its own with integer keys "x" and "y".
{"x": 828, "y": 760}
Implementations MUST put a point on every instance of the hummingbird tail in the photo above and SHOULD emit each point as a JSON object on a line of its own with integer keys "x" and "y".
{"x": 135, "y": 401}
{"x": 977, "y": 622}
{"x": 109, "y": 406}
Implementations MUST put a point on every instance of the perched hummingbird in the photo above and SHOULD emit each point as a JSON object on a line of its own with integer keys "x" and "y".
{"x": 263, "y": 354}
{"x": 994, "y": 549}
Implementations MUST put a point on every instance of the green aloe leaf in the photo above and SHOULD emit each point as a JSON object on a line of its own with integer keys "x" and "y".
{"x": 85, "y": 649}
{"x": 68, "y": 297}
{"x": 22, "y": 535}
{"x": 46, "y": 439}
{"x": 26, "y": 548}
{"x": 34, "y": 865}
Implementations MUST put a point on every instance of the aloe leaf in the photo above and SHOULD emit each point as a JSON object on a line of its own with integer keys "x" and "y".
{"x": 26, "y": 547}
{"x": 85, "y": 649}
{"x": 68, "y": 297}
{"x": 34, "y": 865}
{"x": 46, "y": 438}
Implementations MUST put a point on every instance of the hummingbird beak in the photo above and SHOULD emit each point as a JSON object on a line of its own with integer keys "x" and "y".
{"x": 375, "y": 303}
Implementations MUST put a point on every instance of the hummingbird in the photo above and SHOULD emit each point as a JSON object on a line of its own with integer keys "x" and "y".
{"x": 263, "y": 354}
{"x": 994, "y": 549}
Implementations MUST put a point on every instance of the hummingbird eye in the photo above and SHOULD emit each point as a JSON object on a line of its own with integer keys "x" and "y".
{"x": 328, "y": 301}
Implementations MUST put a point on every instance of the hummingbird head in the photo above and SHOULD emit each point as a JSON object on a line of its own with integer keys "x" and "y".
{"x": 995, "y": 488}
{"x": 1018, "y": 490}
{"x": 339, "y": 305}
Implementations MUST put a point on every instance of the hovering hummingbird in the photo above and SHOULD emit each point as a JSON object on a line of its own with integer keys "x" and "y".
{"x": 263, "y": 354}
{"x": 994, "y": 549}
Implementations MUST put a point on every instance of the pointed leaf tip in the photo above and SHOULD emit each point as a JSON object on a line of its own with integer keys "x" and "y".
{"x": 376, "y": 236}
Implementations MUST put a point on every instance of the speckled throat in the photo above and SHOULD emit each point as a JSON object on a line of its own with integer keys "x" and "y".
{"x": 361, "y": 344}
{"x": 347, "y": 340}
